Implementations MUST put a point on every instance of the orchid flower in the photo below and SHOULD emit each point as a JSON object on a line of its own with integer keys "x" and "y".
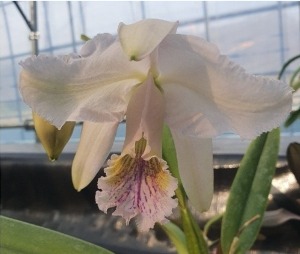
{"x": 152, "y": 76}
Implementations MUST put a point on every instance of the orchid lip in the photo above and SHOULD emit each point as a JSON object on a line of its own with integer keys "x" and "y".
{"x": 137, "y": 187}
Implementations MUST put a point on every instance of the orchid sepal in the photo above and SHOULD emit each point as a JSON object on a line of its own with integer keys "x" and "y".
{"x": 93, "y": 149}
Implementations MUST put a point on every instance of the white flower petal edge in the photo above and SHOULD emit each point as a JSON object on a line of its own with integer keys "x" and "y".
{"x": 217, "y": 91}
{"x": 195, "y": 163}
{"x": 94, "y": 147}
{"x": 65, "y": 88}
{"x": 141, "y": 38}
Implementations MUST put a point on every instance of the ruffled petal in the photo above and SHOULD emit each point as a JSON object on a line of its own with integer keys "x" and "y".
{"x": 195, "y": 162}
{"x": 141, "y": 38}
{"x": 94, "y": 88}
{"x": 95, "y": 144}
{"x": 137, "y": 188}
{"x": 217, "y": 95}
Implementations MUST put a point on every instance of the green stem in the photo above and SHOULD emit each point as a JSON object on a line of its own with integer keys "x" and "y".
{"x": 212, "y": 221}
{"x": 287, "y": 63}
{"x": 196, "y": 243}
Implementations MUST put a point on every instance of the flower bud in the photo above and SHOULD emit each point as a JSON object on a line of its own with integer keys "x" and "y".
{"x": 52, "y": 139}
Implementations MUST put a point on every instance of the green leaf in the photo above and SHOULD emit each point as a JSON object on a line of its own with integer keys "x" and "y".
{"x": 25, "y": 238}
{"x": 176, "y": 235}
{"x": 292, "y": 118}
{"x": 295, "y": 80}
{"x": 249, "y": 194}
{"x": 169, "y": 152}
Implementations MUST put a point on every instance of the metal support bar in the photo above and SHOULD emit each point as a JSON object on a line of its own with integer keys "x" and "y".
{"x": 281, "y": 35}
{"x": 23, "y": 15}
{"x": 143, "y": 9}
{"x": 32, "y": 25}
{"x": 206, "y": 21}
{"x": 34, "y": 34}
{"x": 71, "y": 25}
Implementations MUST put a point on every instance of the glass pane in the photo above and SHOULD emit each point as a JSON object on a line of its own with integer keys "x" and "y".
{"x": 225, "y": 8}
{"x": 173, "y": 11}
{"x": 17, "y": 31}
{"x": 104, "y": 17}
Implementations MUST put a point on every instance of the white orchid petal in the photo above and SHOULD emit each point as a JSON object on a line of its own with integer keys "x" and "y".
{"x": 95, "y": 144}
{"x": 141, "y": 38}
{"x": 92, "y": 89}
{"x": 220, "y": 94}
{"x": 145, "y": 116}
{"x": 184, "y": 110}
{"x": 195, "y": 162}
{"x": 98, "y": 44}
